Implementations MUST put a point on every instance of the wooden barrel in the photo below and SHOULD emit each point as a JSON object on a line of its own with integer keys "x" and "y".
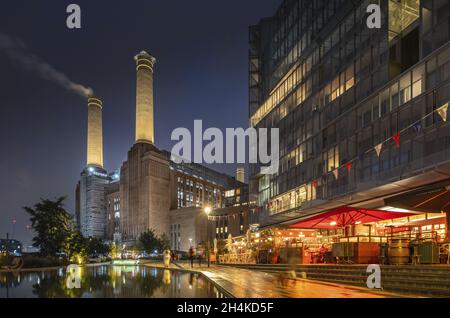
{"x": 399, "y": 252}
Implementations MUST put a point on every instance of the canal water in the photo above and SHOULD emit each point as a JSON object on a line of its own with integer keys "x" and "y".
{"x": 107, "y": 282}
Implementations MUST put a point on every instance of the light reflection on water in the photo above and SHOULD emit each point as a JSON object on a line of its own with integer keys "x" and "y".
{"x": 108, "y": 282}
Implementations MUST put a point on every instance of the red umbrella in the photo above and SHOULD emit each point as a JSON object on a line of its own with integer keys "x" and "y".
{"x": 345, "y": 216}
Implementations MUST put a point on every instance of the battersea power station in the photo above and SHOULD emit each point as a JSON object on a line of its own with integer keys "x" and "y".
{"x": 152, "y": 192}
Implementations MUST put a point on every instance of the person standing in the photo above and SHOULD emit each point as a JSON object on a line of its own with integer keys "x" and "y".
{"x": 167, "y": 258}
{"x": 200, "y": 256}
{"x": 191, "y": 256}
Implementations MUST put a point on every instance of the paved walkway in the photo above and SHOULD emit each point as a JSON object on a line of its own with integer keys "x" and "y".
{"x": 244, "y": 283}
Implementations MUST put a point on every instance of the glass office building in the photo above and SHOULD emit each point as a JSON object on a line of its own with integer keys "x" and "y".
{"x": 337, "y": 90}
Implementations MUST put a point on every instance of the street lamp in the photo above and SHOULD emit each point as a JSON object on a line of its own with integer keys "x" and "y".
{"x": 208, "y": 211}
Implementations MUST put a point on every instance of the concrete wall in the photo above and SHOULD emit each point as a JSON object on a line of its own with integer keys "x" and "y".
{"x": 193, "y": 230}
{"x": 144, "y": 192}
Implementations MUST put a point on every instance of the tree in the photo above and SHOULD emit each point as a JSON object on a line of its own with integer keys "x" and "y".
{"x": 96, "y": 246}
{"x": 164, "y": 242}
{"x": 76, "y": 247}
{"x": 53, "y": 225}
{"x": 149, "y": 242}
{"x": 116, "y": 250}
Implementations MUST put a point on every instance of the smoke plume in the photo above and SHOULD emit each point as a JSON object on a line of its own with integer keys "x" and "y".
{"x": 17, "y": 51}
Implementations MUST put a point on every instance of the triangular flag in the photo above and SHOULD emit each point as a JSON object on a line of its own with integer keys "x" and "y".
{"x": 314, "y": 184}
{"x": 348, "y": 165}
{"x": 396, "y": 139}
{"x": 336, "y": 173}
{"x": 442, "y": 111}
{"x": 378, "y": 149}
{"x": 417, "y": 126}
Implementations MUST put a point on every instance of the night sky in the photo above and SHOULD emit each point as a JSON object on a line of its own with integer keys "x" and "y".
{"x": 201, "y": 47}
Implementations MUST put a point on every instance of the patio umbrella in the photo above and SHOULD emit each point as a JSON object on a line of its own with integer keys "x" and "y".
{"x": 344, "y": 216}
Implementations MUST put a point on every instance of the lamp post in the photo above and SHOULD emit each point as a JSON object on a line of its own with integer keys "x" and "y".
{"x": 208, "y": 211}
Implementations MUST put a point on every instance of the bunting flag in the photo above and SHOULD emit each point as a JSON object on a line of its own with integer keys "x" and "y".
{"x": 396, "y": 139}
{"x": 442, "y": 111}
{"x": 417, "y": 126}
{"x": 348, "y": 165}
{"x": 336, "y": 173}
{"x": 378, "y": 149}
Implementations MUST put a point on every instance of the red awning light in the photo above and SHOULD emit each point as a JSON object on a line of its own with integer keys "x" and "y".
{"x": 345, "y": 216}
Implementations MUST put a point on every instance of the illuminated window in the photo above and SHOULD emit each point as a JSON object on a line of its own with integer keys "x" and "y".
{"x": 229, "y": 193}
{"x": 349, "y": 78}
{"x": 331, "y": 159}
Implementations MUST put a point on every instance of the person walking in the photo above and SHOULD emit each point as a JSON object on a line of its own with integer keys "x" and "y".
{"x": 200, "y": 256}
{"x": 191, "y": 256}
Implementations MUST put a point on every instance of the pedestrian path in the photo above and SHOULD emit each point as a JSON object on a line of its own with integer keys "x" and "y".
{"x": 242, "y": 283}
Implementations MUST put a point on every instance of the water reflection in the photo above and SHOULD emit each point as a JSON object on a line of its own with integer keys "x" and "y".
{"x": 107, "y": 281}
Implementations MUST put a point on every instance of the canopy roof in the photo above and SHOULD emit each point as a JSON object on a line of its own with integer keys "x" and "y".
{"x": 434, "y": 199}
{"x": 344, "y": 216}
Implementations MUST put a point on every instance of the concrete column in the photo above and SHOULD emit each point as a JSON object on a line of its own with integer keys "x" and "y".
{"x": 95, "y": 134}
{"x": 447, "y": 227}
{"x": 144, "y": 98}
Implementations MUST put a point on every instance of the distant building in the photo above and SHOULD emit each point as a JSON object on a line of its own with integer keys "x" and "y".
{"x": 113, "y": 209}
{"x": 11, "y": 246}
{"x": 150, "y": 192}
{"x": 194, "y": 188}
{"x": 144, "y": 192}
{"x": 92, "y": 211}
{"x": 90, "y": 208}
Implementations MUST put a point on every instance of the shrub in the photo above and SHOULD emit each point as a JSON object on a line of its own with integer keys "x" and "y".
{"x": 36, "y": 261}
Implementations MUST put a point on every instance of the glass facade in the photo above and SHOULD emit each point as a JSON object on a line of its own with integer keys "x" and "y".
{"x": 336, "y": 89}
